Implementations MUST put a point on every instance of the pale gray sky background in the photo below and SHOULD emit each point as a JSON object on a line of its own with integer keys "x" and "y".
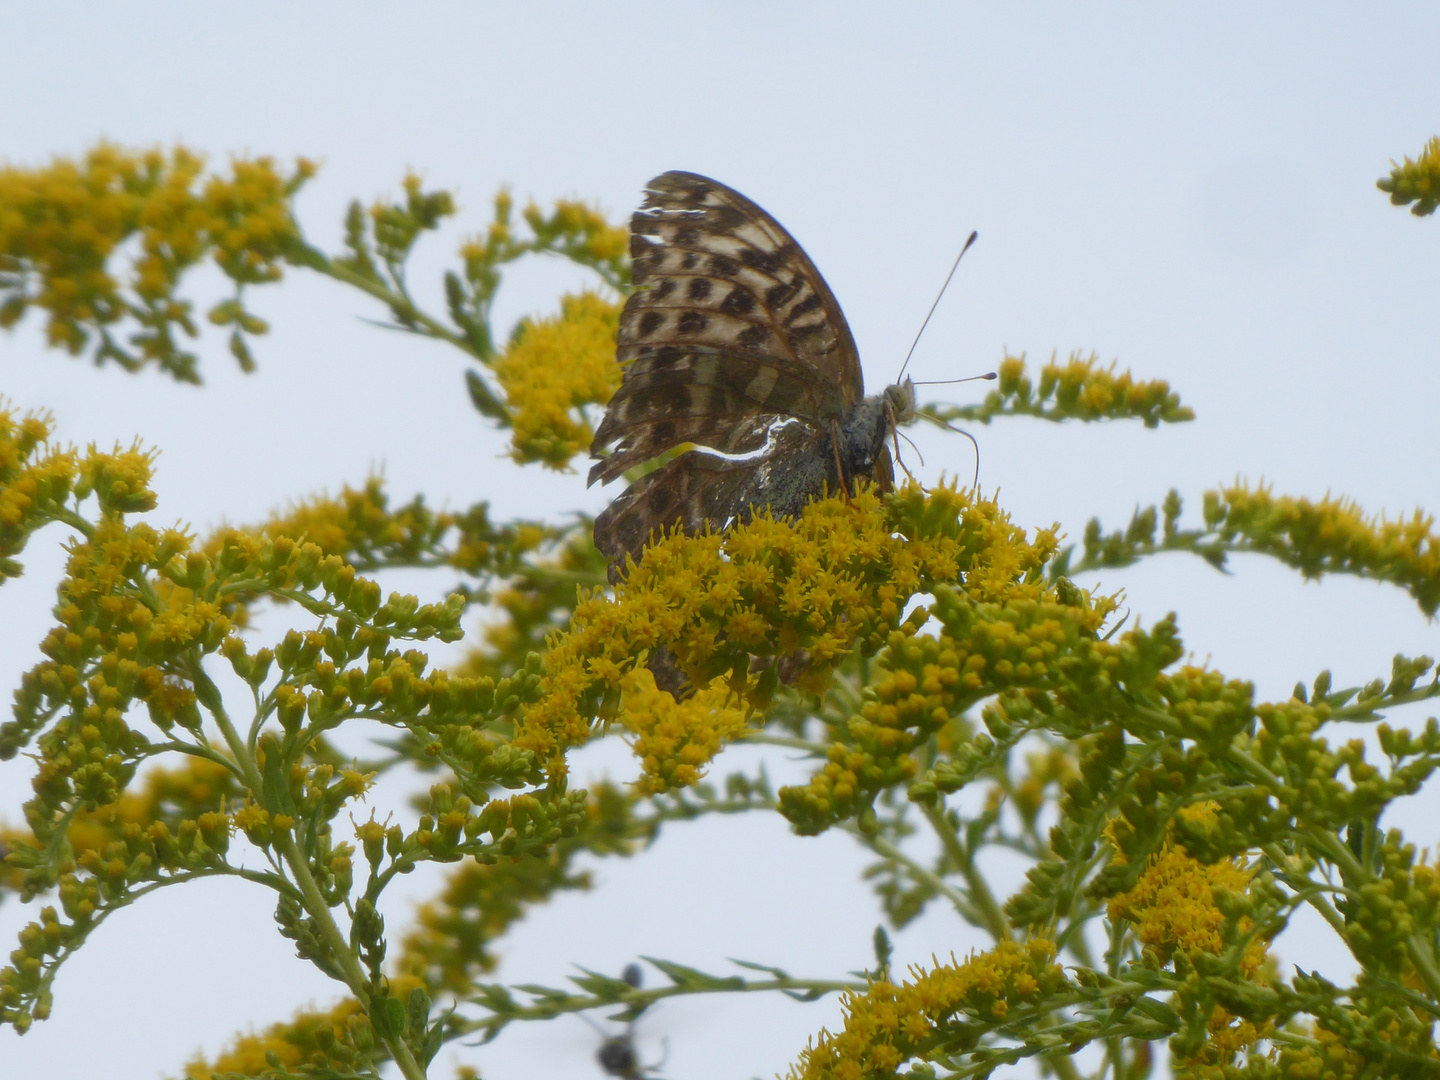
{"x": 1188, "y": 190}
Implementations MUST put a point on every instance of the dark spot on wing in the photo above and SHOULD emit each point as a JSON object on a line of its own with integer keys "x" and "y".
{"x": 690, "y": 261}
{"x": 753, "y": 337}
{"x": 666, "y": 357}
{"x": 675, "y": 399}
{"x": 664, "y": 289}
{"x": 725, "y": 218}
{"x": 776, "y": 295}
{"x": 766, "y": 261}
{"x": 700, "y": 288}
{"x": 687, "y": 235}
{"x": 738, "y": 302}
{"x": 650, "y": 322}
{"x": 663, "y": 500}
{"x": 810, "y": 303}
{"x": 693, "y": 322}
{"x": 723, "y": 266}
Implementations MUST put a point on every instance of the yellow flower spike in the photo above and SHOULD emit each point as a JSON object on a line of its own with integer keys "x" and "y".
{"x": 1332, "y": 536}
{"x": 1416, "y": 181}
{"x": 553, "y": 368}
{"x": 675, "y": 740}
{"x": 890, "y": 1024}
{"x": 62, "y": 226}
{"x": 1173, "y": 904}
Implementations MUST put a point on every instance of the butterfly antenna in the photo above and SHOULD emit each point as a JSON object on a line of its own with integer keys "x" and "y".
{"x": 973, "y": 237}
{"x": 957, "y": 431}
{"x": 989, "y": 376}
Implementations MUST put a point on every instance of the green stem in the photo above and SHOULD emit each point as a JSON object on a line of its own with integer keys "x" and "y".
{"x": 761, "y": 738}
{"x": 887, "y": 850}
{"x": 311, "y": 898}
{"x": 319, "y": 262}
{"x": 980, "y": 895}
{"x": 558, "y": 1005}
{"x": 75, "y": 521}
{"x": 203, "y": 752}
{"x": 1312, "y": 896}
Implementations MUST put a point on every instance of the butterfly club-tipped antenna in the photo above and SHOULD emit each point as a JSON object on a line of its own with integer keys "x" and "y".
{"x": 953, "y": 267}
{"x": 900, "y": 405}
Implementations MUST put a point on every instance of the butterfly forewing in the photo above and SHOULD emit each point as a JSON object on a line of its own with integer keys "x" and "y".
{"x": 729, "y": 318}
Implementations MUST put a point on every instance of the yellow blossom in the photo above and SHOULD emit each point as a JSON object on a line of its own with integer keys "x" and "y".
{"x": 553, "y": 368}
{"x": 830, "y": 583}
{"x": 675, "y": 739}
{"x": 1173, "y": 904}
{"x": 63, "y": 225}
{"x": 890, "y": 1024}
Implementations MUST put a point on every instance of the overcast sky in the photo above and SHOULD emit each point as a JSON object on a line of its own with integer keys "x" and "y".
{"x": 1187, "y": 190}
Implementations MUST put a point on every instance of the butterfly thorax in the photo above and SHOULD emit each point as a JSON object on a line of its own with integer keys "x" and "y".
{"x": 867, "y": 427}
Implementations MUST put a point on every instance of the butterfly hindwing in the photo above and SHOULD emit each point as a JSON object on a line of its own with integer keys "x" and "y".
{"x": 699, "y": 395}
{"x": 697, "y": 490}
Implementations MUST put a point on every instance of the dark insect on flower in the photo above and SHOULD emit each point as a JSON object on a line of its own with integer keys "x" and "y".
{"x": 617, "y": 1055}
{"x": 731, "y": 341}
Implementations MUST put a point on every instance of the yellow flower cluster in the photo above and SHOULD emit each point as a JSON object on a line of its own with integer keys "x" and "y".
{"x": 1173, "y": 904}
{"x": 1081, "y": 389}
{"x": 675, "y": 739}
{"x": 1416, "y": 181}
{"x": 156, "y": 825}
{"x": 888, "y": 1024}
{"x": 584, "y": 230}
{"x": 452, "y": 940}
{"x": 35, "y": 481}
{"x": 834, "y": 581}
{"x": 61, "y": 224}
{"x": 335, "y": 1039}
{"x": 354, "y": 524}
{"x": 552, "y": 369}
{"x": 1332, "y": 536}
{"x": 1392, "y": 1048}
{"x": 1174, "y": 910}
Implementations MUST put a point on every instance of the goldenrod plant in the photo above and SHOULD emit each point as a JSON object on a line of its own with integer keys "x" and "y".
{"x": 1172, "y": 824}
{"x": 1416, "y": 183}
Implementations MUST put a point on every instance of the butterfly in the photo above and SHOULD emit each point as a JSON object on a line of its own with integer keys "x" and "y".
{"x": 731, "y": 342}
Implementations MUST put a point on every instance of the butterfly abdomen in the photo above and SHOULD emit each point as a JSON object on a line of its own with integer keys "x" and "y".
{"x": 862, "y": 437}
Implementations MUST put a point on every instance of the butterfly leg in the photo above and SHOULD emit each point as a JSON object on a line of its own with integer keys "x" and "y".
{"x": 839, "y": 465}
{"x": 895, "y": 437}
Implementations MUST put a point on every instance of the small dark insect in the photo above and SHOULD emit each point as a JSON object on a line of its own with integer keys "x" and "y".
{"x": 731, "y": 341}
{"x": 617, "y": 1054}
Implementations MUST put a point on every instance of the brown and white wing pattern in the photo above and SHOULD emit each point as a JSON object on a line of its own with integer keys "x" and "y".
{"x": 733, "y": 342}
{"x": 729, "y": 320}
{"x": 697, "y": 490}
